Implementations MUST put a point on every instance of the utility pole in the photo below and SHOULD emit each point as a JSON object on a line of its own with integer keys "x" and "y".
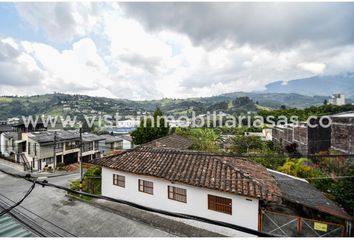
{"x": 54, "y": 150}
{"x": 81, "y": 170}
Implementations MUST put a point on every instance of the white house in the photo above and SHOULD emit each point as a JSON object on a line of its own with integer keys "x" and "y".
{"x": 127, "y": 142}
{"x": 202, "y": 184}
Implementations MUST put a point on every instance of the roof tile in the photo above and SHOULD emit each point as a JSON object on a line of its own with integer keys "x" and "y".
{"x": 201, "y": 169}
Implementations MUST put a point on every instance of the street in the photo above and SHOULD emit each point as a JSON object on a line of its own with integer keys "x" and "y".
{"x": 78, "y": 218}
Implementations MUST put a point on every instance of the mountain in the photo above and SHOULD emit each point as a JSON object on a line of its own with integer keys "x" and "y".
{"x": 233, "y": 103}
{"x": 276, "y": 100}
{"x": 317, "y": 85}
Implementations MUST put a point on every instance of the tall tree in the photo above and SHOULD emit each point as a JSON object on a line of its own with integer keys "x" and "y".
{"x": 151, "y": 128}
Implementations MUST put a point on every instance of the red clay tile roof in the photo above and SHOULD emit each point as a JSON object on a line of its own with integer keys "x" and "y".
{"x": 218, "y": 172}
{"x": 170, "y": 141}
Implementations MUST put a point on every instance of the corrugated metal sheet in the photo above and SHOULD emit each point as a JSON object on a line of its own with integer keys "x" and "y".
{"x": 10, "y": 228}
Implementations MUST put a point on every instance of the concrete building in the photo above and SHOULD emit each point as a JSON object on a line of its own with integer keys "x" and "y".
{"x": 337, "y": 99}
{"x": 342, "y": 135}
{"x": 65, "y": 144}
{"x": 37, "y": 150}
{"x": 310, "y": 140}
{"x": 111, "y": 144}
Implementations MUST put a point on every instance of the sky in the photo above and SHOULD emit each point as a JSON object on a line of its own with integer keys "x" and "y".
{"x": 176, "y": 50}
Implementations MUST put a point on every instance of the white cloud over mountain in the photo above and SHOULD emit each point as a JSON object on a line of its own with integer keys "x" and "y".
{"x": 144, "y": 51}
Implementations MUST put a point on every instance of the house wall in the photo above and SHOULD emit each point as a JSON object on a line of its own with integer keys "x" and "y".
{"x": 7, "y": 145}
{"x": 244, "y": 210}
{"x": 127, "y": 144}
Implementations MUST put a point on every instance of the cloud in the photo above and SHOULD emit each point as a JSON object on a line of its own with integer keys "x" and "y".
{"x": 60, "y": 21}
{"x": 154, "y": 50}
{"x": 272, "y": 25}
{"x": 16, "y": 67}
{"x": 313, "y": 67}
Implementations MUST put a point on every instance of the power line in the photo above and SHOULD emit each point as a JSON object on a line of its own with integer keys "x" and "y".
{"x": 38, "y": 216}
{"x": 19, "y": 202}
{"x": 29, "y": 223}
{"x": 167, "y": 213}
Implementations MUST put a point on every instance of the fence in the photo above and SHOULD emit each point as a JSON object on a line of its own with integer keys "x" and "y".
{"x": 285, "y": 225}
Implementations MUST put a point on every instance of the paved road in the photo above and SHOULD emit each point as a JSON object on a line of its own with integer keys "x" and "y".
{"x": 78, "y": 218}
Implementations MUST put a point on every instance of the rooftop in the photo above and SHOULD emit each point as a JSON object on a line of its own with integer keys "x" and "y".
{"x": 200, "y": 169}
{"x": 349, "y": 114}
{"x": 11, "y": 228}
{"x": 5, "y": 128}
{"x": 170, "y": 141}
{"x": 126, "y": 138}
{"x": 111, "y": 139}
{"x": 301, "y": 192}
{"x": 89, "y": 137}
{"x": 48, "y": 136}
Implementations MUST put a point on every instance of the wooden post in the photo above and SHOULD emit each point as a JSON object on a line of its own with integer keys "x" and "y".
{"x": 260, "y": 220}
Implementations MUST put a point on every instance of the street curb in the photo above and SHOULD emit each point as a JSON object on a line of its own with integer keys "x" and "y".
{"x": 177, "y": 228}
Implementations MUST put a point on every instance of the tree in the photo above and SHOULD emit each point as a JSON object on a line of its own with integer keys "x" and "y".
{"x": 343, "y": 190}
{"x": 204, "y": 139}
{"x": 291, "y": 149}
{"x": 297, "y": 168}
{"x": 325, "y": 102}
{"x": 150, "y": 128}
{"x": 245, "y": 144}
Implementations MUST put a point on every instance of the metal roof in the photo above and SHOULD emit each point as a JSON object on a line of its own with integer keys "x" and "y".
{"x": 89, "y": 137}
{"x": 111, "y": 139}
{"x": 299, "y": 191}
{"x": 11, "y": 228}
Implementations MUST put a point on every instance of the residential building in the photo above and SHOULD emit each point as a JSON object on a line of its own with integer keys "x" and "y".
{"x": 111, "y": 144}
{"x": 217, "y": 187}
{"x": 8, "y": 146}
{"x": 11, "y": 140}
{"x": 310, "y": 140}
{"x": 127, "y": 142}
{"x": 337, "y": 99}
{"x": 265, "y": 135}
{"x": 49, "y": 148}
{"x": 91, "y": 143}
{"x": 342, "y": 135}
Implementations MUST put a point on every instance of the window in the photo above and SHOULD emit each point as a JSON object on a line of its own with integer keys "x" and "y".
{"x": 220, "y": 204}
{"x": 119, "y": 180}
{"x": 146, "y": 186}
{"x": 178, "y": 194}
{"x": 72, "y": 145}
{"x": 29, "y": 148}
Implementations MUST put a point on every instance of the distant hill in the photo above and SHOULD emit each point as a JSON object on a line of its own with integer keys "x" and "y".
{"x": 318, "y": 85}
{"x": 276, "y": 100}
{"x": 233, "y": 103}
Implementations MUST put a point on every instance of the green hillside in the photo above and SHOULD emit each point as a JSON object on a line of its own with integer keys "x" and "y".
{"x": 232, "y": 103}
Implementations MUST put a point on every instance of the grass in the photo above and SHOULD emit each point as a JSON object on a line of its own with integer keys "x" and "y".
{"x": 5, "y": 99}
{"x": 259, "y": 107}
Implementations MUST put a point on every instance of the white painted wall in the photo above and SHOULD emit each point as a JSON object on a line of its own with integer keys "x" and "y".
{"x": 244, "y": 212}
{"x": 127, "y": 144}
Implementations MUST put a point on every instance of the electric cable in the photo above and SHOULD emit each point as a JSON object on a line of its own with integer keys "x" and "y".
{"x": 19, "y": 202}
{"x": 36, "y": 215}
{"x": 149, "y": 209}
